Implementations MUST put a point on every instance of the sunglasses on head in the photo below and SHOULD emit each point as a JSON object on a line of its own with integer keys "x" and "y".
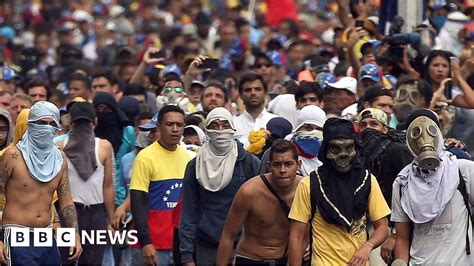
{"x": 176, "y": 89}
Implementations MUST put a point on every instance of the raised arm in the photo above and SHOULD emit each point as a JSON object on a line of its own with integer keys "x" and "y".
{"x": 140, "y": 72}
{"x": 235, "y": 218}
{"x": 67, "y": 212}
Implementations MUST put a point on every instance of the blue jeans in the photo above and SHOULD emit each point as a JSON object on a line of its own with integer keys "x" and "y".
{"x": 35, "y": 255}
{"x": 162, "y": 257}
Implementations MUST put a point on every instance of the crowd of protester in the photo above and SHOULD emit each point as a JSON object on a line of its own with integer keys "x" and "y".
{"x": 190, "y": 120}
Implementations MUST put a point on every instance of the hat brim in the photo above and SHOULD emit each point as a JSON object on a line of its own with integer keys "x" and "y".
{"x": 147, "y": 127}
{"x": 375, "y": 79}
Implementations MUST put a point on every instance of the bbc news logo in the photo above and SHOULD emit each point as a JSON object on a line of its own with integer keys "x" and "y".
{"x": 66, "y": 237}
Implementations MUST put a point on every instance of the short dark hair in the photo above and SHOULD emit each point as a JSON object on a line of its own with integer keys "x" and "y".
{"x": 281, "y": 146}
{"x": 79, "y": 77}
{"x": 134, "y": 89}
{"x": 189, "y": 131}
{"x": 249, "y": 77}
{"x": 308, "y": 87}
{"x": 169, "y": 109}
{"x": 107, "y": 74}
{"x": 374, "y": 92}
{"x": 38, "y": 81}
{"x": 217, "y": 84}
{"x": 142, "y": 116}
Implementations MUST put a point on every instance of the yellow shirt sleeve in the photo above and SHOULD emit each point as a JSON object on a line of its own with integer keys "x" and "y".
{"x": 378, "y": 208}
{"x": 141, "y": 174}
{"x": 301, "y": 206}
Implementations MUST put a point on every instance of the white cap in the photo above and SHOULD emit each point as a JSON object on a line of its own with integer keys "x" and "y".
{"x": 110, "y": 26}
{"x": 81, "y": 15}
{"x": 310, "y": 114}
{"x": 116, "y": 11}
{"x": 458, "y": 16}
{"x": 347, "y": 83}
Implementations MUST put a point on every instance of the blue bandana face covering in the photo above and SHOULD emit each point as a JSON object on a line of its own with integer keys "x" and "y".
{"x": 308, "y": 143}
{"x": 42, "y": 158}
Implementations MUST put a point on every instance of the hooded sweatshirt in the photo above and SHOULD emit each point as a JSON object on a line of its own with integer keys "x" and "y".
{"x": 6, "y": 116}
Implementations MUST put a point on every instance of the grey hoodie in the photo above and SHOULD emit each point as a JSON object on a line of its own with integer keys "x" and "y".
{"x": 4, "y": 114}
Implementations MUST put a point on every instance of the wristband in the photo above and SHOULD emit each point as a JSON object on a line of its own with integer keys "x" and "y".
{"x": 370, "y": 244}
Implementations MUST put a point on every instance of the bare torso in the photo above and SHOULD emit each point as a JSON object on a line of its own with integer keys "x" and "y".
{"x": 28, "y": 202}
{"x": 266, "y": 229}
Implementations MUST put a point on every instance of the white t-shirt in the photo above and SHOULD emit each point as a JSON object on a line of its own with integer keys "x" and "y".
{"x": 441, "y": 241}
{"x": 245, "y": 123}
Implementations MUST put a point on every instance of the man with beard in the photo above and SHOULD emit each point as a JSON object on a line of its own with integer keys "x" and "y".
{"x": 431, "y": 199}
{"x": 112, "y": 126}
{"x": 345, "y": 196}
{"x": 384, "y": 154}
{"x": 214, "y": 95}
{"x": 211, "y": 180}
{"x": 262, "y": 205}
{"x": 252, "y": 89}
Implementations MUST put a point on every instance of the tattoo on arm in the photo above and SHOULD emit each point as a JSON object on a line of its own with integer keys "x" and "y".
{"x": 63, "y": 188}
{"x": 5, "y": 172}
{"x": 69, "y": 217}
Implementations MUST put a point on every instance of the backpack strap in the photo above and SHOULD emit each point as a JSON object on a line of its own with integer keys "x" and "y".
{"x": 283, "y": 206}
{"x": 313, "y": 186}
{"x": 463, "y": 190}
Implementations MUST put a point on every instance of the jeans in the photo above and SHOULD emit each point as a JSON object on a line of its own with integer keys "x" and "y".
{"x": 162, "y": 257}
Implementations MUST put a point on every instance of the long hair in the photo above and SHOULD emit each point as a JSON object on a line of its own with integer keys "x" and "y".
{"x": 431, "y": 56}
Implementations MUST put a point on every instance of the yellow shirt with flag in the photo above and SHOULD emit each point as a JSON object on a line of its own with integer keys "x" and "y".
{"x": 332, "y": 244}
{"x": 160, "y": 172}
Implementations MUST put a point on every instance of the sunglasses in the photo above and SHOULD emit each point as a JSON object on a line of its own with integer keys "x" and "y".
{"x": 176, "y": 89}
{"x": 257, "y": 66}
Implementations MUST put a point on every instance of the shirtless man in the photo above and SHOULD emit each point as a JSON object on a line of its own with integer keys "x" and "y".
{"x": 265, "y": 219}
{"x": 30, "y": 173}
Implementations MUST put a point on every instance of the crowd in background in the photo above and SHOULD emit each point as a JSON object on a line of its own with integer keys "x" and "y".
{"x": 283, "y": 68}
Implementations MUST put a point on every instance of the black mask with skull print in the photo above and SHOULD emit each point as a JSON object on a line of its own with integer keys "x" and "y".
{"x": 343, "y": 180}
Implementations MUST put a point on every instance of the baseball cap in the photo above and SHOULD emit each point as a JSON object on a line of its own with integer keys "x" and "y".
{"x": 370, "y": 44}
{"x": 369, "y": 71}
{"x": 279, "y": 127}
{"x": 171, "y": 69}
{"x": 197, "y": 82}
{"x": 417, "y": 113}
{"x": 324, "y": 78}
{"x": 274, "y": 57}
{"x": 7, "y": 73}
{"x": 374, "y": 113}
{"x": 151, "y": 125}
{"x": 77, "y": 99}
{"x": 7, "y": 32}
{"x": 82, "y": 110}
{"x": 346, "y": 83}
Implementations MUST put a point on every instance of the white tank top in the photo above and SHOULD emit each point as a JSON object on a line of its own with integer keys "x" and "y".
{"x": 91, "y": 191}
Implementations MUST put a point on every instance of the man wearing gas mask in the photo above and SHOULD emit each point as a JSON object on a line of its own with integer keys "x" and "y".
{"x": 338, "y": 199}
{"x": 173, "y": 93}
{"x": 431, "y": 199}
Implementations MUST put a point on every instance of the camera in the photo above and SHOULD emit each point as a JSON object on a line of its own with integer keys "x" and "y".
{"x": 398, "y": 39}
